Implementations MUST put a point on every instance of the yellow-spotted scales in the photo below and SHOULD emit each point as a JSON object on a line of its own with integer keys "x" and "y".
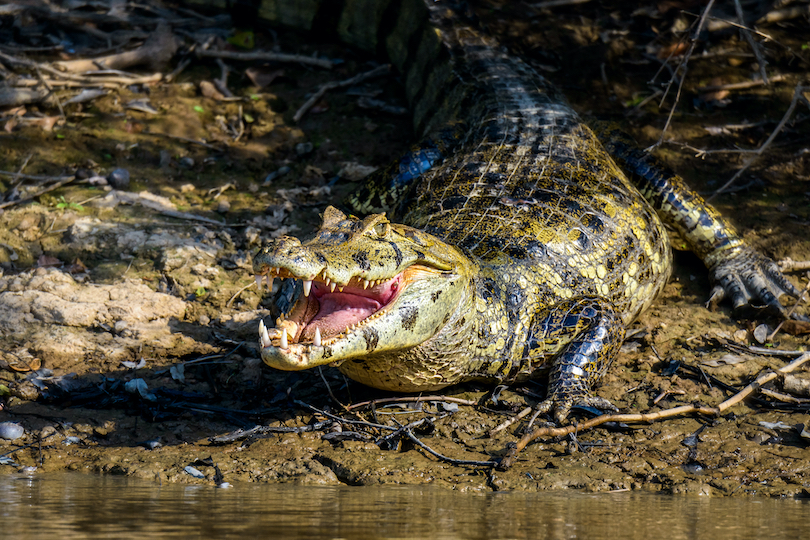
{"x": 507, "y": 243}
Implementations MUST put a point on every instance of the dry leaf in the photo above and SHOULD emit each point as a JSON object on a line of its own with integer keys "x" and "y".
{"x": 796, "y": 328}
{"x": 262, "y": 78}
{"x": 48, "y": 261}
{"x": 208, "y": 90}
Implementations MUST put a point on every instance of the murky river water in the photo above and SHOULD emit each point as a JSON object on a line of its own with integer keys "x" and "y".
{"x": 68, "y": 506}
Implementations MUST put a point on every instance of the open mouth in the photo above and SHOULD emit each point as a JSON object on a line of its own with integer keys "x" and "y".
{"x": 327, "y": 310}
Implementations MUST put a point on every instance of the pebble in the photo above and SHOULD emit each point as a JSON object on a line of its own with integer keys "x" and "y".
{"x": 304, "y": 148}
{"x": 761, "y": 333}
{"x": 11, "y": 431}
{"x": 119, "y": 179}
{"x": 193, "y": 472}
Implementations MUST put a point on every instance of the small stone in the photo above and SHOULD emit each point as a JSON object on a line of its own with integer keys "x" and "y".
{"x": 11, "y": 431}
{"x": 740, "y": 336}
{"x": 761, "y": 333}
{"x": 204, "y": 320}
{"x": 303, "y": 149}
{"x": 187, "y": 188}
{"x": 119, "y": 179}
{"x": 223, "y": 206}
{"x": 187, "y": 162}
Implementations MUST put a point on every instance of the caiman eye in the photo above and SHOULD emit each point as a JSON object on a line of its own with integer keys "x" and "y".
{"x": 382, "y": 229}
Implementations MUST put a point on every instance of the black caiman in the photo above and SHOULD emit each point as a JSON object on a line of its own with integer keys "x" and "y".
{"x": 506, "y": 243}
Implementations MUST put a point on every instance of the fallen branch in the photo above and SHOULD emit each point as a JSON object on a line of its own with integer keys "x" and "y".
{"x": 92, "y": 82}
{"x": 513, "y": 450}
{"x": 156, "y": 51}
{"x": 266, "y": 56}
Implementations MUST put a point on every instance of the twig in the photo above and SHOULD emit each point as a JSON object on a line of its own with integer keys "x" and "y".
{"x": 56, "y": 185}
{"x": 785, "y": 398}
{"x": 51, "y": 93}
{"x": 790, "y": 311}
{"x": 797, "y": 95}
{"x": 258, "y": 430}
{"x": 88, "y": 82}
{"x": 265, "y": 55}
{"x": 684, "y": 62}
{"x": 36, "y": 177}
{"x": 650, "y": 417}
{"x": 329, "y": 389}
{"x": 345, "y": 420}
{"x": 751, "y": 43}
{"x": 784, "y": 14}
{"x": 412, "y": 399}
{"x": 434, "y": 453}
{"x": 155, "y": 77}
{"x": 742, "y": 85}
{"x": 376, "y": 72}
{"x": 222, "y": 82}
{"x": 789, "y": 265}
{"x": 509, "y": 421}
{"x": 229, "y": 303}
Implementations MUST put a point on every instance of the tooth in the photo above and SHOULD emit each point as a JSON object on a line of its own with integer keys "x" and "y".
{"x": 365, "y": 284}
{"x": 265, "y": 337}
{"x": 332, "y": 287}
{"x": 268, "y": 279}
{"x": 283, "y": 339}
{"x": 317, "y": 339}
{"x": 327, "y": 281}
{"x": 259, "y": 281}
{"x": 278, "y": 270}
{"x": 307, "y": 286}
{"x": 340, "y": 289}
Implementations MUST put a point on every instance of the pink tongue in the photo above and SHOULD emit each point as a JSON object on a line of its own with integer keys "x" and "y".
{"x": 337, "y": 312}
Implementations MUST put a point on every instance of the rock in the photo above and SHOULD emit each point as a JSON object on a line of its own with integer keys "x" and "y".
{"x": 119, "y": 179}
{"x": 11, "y": 431}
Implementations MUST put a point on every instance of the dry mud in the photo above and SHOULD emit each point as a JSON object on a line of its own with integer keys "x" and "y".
{"x": 129, "y": 336}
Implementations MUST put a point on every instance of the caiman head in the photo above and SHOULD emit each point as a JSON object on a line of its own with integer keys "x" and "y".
{"x": 370, "y": 287}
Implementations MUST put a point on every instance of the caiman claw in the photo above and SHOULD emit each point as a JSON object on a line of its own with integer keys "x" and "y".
{"x": 746, "y": 277}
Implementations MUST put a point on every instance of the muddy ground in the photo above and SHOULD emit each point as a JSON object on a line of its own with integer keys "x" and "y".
{"x": 129, "y": 334}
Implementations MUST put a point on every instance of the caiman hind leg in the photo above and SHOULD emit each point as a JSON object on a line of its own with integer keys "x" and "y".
{"x": 737, "y": 271}
{"x": 584, "y": 335}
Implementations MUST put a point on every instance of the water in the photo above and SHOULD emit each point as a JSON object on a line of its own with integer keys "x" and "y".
{"x": 67, "y": 506}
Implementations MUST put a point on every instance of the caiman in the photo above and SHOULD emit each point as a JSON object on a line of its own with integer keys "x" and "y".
{"x": 508, "y": 242}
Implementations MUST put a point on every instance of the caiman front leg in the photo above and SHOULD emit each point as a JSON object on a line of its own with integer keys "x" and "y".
{"x": 737, "y": 271}
{"x": 585, "y": 333}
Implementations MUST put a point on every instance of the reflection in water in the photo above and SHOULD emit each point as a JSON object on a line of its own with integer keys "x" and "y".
{"x": 68, "y": 506}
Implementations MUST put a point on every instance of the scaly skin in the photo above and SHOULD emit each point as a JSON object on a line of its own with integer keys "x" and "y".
{"x": 525, "y": 248}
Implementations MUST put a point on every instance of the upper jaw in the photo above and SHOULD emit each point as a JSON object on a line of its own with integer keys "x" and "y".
{"x": 328, "y": 279}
